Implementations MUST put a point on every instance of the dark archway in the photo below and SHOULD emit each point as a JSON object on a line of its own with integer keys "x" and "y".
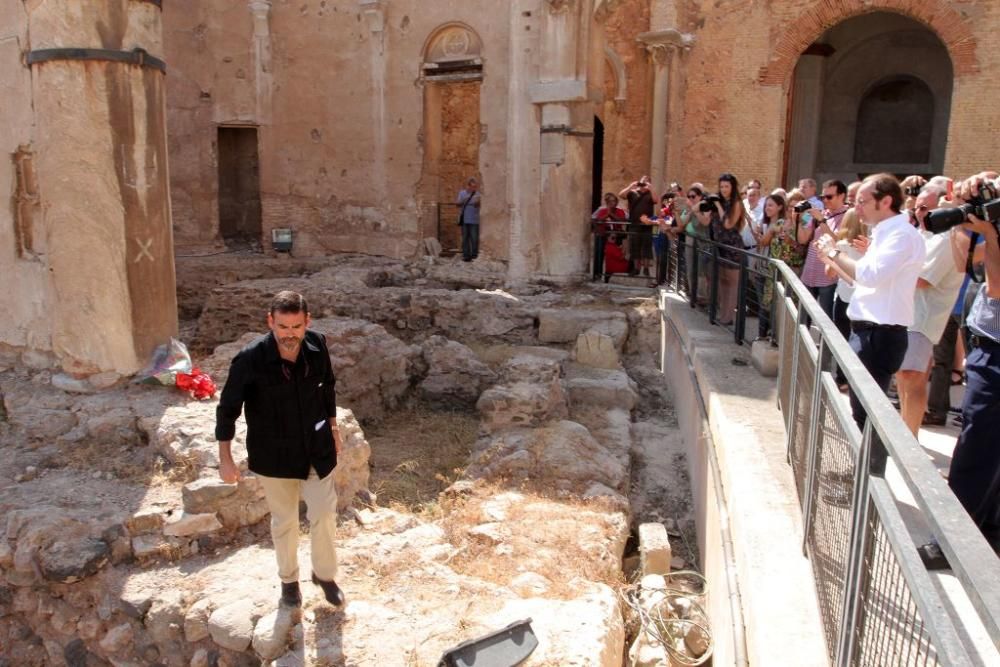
{"x": 869, "y": 78}
{"x": 895, "y": 123}
{"x": 597, "y": 182}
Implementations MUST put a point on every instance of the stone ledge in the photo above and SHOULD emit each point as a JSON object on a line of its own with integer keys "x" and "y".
{"x": 775, "y": 581}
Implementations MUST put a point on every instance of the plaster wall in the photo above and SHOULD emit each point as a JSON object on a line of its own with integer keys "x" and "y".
{"x": 341, "y": 144}
{"x": 25, "y": 294}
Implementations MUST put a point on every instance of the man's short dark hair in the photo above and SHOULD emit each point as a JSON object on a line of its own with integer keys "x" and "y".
{"x": 887, "y": 185}
{"x": 288, "y": 302}
{"x": 836, "y": 183}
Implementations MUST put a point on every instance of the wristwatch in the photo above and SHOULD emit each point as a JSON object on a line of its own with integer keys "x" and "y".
{"x": 832, "y": 252}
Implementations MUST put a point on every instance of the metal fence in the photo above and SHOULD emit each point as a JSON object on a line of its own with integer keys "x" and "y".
{"x": 733, "y": 286}
{"x": 878, "y": 603}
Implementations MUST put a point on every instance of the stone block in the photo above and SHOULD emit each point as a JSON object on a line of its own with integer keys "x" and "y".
{"x": 183, "y": 524}
{"x": 271, "y": 635}
{"x": 145, "y": 522}
{"x": 765, "y": 358}
{"x": 596, "y": 349}
{"x": 71, "y": 384}
{"x": 654, "y": 549}
{"x": 558, "y": 325}
{"x": 206, "y": 494}
{"x": 232, "y": 626}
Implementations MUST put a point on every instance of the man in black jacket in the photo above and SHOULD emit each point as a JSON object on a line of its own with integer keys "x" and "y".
{"x": 285, "y": 382}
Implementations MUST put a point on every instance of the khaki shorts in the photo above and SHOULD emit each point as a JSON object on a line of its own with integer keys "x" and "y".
{"x": 919, "y": 352}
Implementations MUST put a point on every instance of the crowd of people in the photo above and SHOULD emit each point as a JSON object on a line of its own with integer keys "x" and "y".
{"x": 914, "y": 287}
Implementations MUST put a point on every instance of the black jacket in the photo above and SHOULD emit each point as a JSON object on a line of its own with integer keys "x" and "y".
{"x": 288, "y": 407}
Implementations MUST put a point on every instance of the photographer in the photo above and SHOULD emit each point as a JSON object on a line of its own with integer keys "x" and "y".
{"x": 885, "y": 277}
{"x": 975, "y": 464}
{"x": 723, "y": 214}
{"x": 641, "y": 202}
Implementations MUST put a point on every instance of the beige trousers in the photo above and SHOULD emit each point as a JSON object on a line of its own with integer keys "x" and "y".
{"x": 321, "y": 510}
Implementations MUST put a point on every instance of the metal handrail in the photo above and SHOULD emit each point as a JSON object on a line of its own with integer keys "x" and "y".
{"x": 887, "y": 437}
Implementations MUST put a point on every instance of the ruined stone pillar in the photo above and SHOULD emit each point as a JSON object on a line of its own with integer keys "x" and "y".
{"x": 102, "y": 182}
{"x": 660, "y": 45}
{"x": 261, "y": 11}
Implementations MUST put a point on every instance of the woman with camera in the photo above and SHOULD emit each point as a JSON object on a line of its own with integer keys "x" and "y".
{"x": 724, "y": 216}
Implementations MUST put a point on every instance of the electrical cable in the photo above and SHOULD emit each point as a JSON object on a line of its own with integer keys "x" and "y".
{"x": 661, "y": 623}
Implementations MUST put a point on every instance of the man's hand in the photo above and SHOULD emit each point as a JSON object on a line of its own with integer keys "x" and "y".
{"x": 981, "y": 227}
{"x": 861, "y": 244}
{"x": 228, "y": 471}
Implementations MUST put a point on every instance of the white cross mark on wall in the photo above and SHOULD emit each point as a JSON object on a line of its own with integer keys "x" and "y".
{"x": 144, "y": 250}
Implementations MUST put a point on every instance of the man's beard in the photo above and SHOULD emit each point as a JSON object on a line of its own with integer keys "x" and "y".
{"x": 291, "y": 343}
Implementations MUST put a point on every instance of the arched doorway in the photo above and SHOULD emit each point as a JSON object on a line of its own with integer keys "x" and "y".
{"x": 452, "y": 76}
{"x": 872, "y": 94}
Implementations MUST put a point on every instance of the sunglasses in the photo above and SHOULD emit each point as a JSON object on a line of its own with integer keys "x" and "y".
{"x": 692, "y": 196}
{"x": 828, "y": 197}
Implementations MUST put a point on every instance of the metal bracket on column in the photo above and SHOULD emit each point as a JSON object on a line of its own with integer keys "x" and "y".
{"x": 134, "y": 57}
{"x": 158, "y": 3}
{"x": 566, "y": 130}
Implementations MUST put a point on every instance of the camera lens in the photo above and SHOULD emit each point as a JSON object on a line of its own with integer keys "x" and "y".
{"x": 802, "y": 206}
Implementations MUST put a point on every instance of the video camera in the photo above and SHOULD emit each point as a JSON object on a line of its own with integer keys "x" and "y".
{"x": 707, "y": 205}
{"x": 985, "y": 206}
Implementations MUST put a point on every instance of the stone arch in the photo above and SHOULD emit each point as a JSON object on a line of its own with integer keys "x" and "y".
{"x": 800, "y": 33}
{"x": 453, "y": 42}
{"x": 618, "y": 67}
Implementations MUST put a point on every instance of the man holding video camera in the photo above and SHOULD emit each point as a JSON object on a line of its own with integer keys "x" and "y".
{"x": 975, "y": 464}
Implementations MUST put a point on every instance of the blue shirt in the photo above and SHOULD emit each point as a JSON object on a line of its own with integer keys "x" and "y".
{"x": 984, "y": 316}
{"x": 470, "y": 215}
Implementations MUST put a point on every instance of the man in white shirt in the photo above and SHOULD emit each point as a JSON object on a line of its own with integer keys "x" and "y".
{"x": 885, "y": 278}
{"x": 937, "y": 288}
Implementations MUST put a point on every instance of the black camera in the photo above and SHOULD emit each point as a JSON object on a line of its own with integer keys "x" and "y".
{"x": 985, "y": 206}
{"x": 912, "y": 191}
{"x": 802, "y": 206}
{"x": 707, "y": 205}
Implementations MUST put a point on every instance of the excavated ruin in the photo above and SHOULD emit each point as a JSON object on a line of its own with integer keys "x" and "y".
{"x": 501, "y": 447}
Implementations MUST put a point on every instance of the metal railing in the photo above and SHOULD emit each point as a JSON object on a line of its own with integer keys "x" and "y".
{"x": 878, "y": 603}
{"x": 733, "y": 286}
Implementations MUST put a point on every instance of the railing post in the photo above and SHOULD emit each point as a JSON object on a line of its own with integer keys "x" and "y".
{"x": 793, "y": 395}
{"x": 817, "y": 414}
{"x": 872, "y": 451}
{"x": 713, "y": 290}
{"x": 696, "y": 258}
{"x": 740, "y": 323}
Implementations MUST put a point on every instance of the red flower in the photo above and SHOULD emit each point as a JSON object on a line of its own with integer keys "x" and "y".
{"x": 196, "y": 383}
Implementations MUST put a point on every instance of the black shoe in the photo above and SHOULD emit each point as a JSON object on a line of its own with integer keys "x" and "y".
{"x": 291, "y": 596}
{"x": 933, "y": 420}
{"x": 933, "y": 557}
{"x": 331, "y": 590}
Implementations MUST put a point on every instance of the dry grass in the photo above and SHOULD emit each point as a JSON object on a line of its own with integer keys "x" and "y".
{"x": 417, "y": 452}
{"x": 563, "y": 539}
{"x": 128, "y": 463}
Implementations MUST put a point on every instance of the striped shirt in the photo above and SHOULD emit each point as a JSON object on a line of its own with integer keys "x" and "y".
{"x": 813, "y": 273}
{"x": 984, "y": 316}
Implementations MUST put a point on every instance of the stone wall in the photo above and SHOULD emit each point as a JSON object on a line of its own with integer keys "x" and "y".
{"x": 739, "y": 70}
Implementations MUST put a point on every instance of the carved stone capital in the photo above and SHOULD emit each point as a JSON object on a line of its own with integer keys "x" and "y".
{"x": 259, "y": 7}
{"x": 559, "y": 6}
{"x": 603, "y": 9}
{"x": 661, "y": 44}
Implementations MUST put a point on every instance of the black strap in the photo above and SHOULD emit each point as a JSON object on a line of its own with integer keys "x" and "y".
{"x": 461, "y": 214}
{"x": 969, "y": 270}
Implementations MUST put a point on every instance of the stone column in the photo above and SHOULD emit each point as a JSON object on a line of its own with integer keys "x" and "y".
{"x": 807, "y": 107}
{"x": 660, "y": 45}
{"x": 99, "y": 106}
{"x": 261, "y": 11}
